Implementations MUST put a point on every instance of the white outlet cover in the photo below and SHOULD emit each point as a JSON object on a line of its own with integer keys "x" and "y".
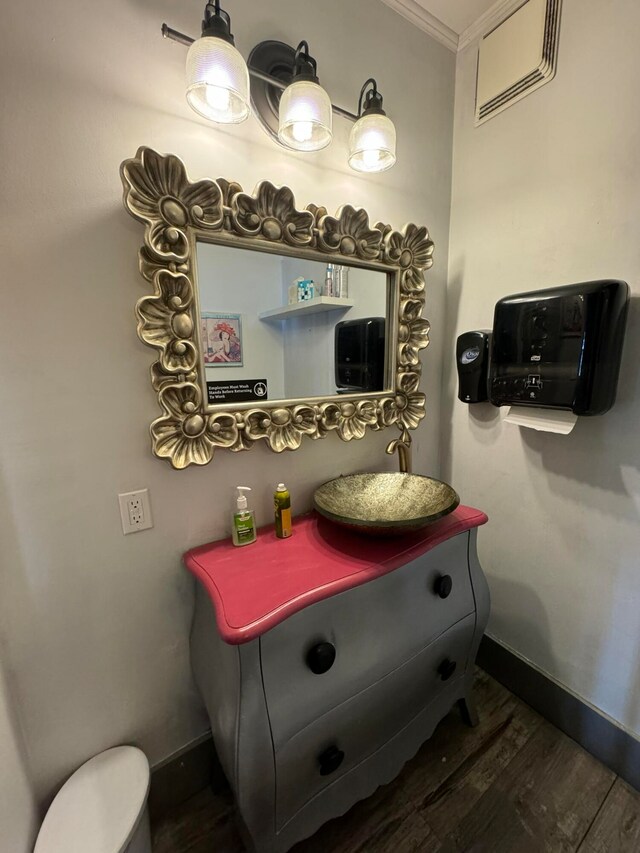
{"x": 135, "y": 511}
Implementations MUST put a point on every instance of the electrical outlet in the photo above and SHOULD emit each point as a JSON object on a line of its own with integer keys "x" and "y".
{"x": 135, "y": 511}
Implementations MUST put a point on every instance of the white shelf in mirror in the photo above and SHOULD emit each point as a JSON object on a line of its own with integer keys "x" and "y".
{"x": 310, "y": 306}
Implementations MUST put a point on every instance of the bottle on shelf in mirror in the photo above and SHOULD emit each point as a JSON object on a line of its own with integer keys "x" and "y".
{"x": 329, "y": 282}
{"x": 343, "y": 282}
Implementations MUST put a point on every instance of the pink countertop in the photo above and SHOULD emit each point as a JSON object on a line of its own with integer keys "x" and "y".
{"x": 256, "y": 587}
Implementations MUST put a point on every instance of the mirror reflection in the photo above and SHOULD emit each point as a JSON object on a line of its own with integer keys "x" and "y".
{"x": 275, "y": 327}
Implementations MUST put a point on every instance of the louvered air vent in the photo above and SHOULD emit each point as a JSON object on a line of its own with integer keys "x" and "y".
{"x": 517, "y": 57}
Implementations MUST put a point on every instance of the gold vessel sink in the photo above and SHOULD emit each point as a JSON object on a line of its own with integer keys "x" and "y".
{"x": 385, "y": 504}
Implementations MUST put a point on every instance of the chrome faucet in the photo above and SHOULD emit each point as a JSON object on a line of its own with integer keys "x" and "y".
{"x": 404, "y": 454}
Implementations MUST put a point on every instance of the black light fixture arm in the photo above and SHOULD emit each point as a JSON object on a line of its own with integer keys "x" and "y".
{"x": 175, "y": 35}
{"x": 305, "y": 66}
{"x": 217, "y": 22}
{"x": 373, "y": 99}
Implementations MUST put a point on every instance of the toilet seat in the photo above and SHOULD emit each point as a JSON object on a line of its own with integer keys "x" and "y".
{"x": 99, "y": 808}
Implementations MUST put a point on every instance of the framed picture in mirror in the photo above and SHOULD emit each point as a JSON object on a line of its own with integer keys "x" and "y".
{"x": 221, "y": 339}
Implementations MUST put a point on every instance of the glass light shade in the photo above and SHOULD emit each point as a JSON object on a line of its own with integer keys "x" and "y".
{"x": 305, "y": 116}
{"x": 372, "y": 144}
{"x": 217, "y": 81}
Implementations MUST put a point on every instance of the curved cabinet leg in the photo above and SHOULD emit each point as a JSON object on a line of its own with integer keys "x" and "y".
{"x": 468, "y": 711}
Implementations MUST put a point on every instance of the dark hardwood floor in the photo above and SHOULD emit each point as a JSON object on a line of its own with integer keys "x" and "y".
{"x": 514, "y": 784}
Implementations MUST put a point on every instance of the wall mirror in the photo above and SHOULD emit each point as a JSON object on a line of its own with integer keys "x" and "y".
{"x": 272, "y": 323}
{"x": 276, "y": 327}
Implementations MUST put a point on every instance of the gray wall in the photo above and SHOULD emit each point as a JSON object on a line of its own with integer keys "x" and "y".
{"x": 95, "y": 625}
{"x": 18, "y": 809}
{"x": 233, "y": 281}
{"x": 547, "y": 193}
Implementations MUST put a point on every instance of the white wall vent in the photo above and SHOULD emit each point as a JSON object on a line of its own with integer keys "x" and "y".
{"x": 517, "y": 57}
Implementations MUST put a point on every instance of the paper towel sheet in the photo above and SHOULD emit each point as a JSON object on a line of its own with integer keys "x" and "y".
{"x": 546, "y": 420}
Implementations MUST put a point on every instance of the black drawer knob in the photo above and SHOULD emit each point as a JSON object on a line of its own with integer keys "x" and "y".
{"x": 320, "y": 658}
{"x": 443, "y": 586}
{"x": 330, "y": 760}
{"x": 446, "y": 669}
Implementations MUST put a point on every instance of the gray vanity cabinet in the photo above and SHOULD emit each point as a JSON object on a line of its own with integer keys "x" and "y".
{"x": 317, "y": 712}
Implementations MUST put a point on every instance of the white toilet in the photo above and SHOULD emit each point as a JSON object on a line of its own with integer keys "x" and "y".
{"x": 102, "y": 808}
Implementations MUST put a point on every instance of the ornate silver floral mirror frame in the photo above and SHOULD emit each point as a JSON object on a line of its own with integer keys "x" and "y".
{"x": 176, "y": 213}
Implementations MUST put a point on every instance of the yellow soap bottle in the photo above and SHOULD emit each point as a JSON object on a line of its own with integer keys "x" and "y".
{"x": 282, "y": 507}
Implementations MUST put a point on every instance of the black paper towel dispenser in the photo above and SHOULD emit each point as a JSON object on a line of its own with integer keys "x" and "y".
{"x": 559, "y": 348}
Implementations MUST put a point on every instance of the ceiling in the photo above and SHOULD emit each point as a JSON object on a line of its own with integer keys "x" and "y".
{"x": 456, "y": 14}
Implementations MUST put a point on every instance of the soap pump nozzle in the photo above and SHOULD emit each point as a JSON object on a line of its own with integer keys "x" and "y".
{"x": 241, "y": 500}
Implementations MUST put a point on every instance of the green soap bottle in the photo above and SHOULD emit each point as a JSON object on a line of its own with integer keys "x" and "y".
{"x": 282, "y": 507}
{"x": 243, "y": 523}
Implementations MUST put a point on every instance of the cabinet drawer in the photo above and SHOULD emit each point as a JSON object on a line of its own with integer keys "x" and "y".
{"x": 372, "y": 628}
{"x": 338, "y": 741}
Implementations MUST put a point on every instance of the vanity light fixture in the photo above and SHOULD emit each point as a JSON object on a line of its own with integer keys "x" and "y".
{"x": 217, "y": 75}
{"x": 305, "y": 108}
{"x": 372, "y": 143}
{"x": 281, "y": 84}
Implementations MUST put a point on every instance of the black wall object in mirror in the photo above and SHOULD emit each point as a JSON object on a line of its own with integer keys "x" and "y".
{"x": 360, "y": 355}
{"x": 472, "y": 359}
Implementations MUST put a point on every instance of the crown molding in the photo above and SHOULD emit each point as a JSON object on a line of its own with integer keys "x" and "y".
{"x": 494, "y": 15}
{"x": 419, "y": 17}
{"x": 428, "y": 23}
